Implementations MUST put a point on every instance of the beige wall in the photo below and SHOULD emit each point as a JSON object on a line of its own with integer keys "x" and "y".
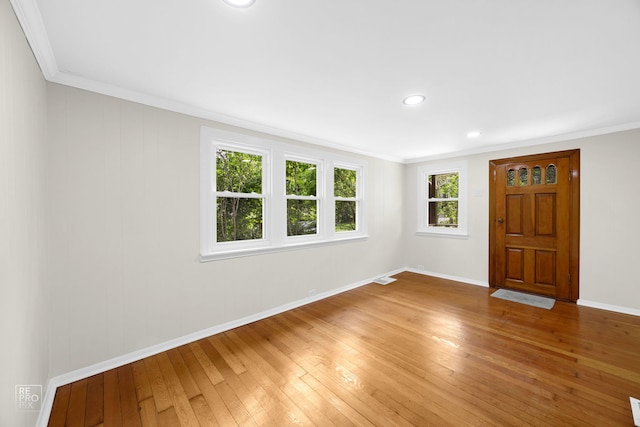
{"x": 125, "y": 235}
{"x": 609, "y": 209}
{"x": 24, "y": 352}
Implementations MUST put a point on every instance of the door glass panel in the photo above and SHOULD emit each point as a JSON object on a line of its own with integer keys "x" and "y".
{"x": 511, "y": 178}
{"x": 551, "y": 174}
{"x": 536, "y": 175}
{"x": 524, "y": 176}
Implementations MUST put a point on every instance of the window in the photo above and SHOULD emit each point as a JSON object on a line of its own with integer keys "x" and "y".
{"x": 345, "y": 192}
{"x": 442, "y": 200}
{"x": 302, "y": 198}
{"x": 239, "y": 198}
{"x": 259, "y": 195}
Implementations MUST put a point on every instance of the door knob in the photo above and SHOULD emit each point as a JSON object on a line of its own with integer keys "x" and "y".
{"x": 500, "y": 220}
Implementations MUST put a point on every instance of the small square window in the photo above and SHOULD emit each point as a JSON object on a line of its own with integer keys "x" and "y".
{"x": 442, "y": 200}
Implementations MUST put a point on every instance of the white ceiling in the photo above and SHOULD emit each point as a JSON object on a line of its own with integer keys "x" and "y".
{"x": 335, "y": 72}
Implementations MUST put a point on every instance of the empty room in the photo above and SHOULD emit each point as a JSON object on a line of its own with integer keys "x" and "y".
{"x": 371, "y": 213}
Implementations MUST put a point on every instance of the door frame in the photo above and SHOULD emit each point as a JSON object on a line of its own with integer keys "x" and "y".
{"x": 574, "y": 215}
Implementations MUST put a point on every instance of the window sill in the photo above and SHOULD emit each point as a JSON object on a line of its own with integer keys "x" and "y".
{"x": 443, "y": 234}
{"x": 289, "y": 247}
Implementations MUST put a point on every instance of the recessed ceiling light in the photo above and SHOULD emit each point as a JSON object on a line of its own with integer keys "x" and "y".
{"x": 239, "y": 3}
{"x": 413, "y": 100}
{"x": 474, "y": 134}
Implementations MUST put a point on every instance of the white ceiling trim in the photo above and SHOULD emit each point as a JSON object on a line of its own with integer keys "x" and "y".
{"x": 30, "y": 19}
{"x": 530, "y": 142}
{"x": 190, "y": 110}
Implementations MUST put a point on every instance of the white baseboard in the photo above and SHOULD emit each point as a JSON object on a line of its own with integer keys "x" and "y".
{"x": 64, "y": 379}
{"x": 448, "y": 277}
{"x": 609, "y": 307}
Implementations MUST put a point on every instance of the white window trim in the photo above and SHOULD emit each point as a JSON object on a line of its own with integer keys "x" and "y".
{"x": 460, "y": 167}
{"x": 274, "y": 154}
{"x": 265, "y": 195}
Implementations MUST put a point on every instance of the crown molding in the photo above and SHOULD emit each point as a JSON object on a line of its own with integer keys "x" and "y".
{"x": 193, "y": 111}
{"x": 528, "y": 142}
{"x": 30, "y": 19}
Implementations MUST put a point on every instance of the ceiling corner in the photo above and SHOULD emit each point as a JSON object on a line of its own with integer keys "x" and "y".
{"x": 28, "y": 15}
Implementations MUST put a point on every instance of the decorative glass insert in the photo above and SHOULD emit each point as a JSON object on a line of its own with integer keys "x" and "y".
{"x": 536, "y": 175}
{"x": 524, "y": 177}
{"x": 511, "y": 178}
{"x": 551, "y": 174}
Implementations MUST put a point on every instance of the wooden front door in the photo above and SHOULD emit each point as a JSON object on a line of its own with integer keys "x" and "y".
{"x": 534, "y": 224}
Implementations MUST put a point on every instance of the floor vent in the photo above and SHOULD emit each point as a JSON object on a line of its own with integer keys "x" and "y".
{"x": 384, "y": 280}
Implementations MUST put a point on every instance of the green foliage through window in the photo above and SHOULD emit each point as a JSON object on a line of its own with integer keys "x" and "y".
{"x": 442, "y": 200}
{"x": 301, "y": 178}
{"x": 260, "y": 195}
{"x": 237, "y": 217}
{"x": 238, "y": 172}
{"x": 302, "y": 210}
{"x": 345, "y": 215}
{"x": 302, "y": 216}
{"x": 344, "y": 182}
{"x": 345, "y": 187}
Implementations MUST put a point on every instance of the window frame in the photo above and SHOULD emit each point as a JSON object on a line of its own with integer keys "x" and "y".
{"x": 319, "y": 197}
{"x": 274, "y": 156}
{"x": 423, "y": 227}
{"x": 209, "y": 195}
{"x": 357, "y": 199}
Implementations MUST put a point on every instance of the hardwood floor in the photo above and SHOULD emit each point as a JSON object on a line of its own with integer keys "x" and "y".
{"x": 420, "y": 351}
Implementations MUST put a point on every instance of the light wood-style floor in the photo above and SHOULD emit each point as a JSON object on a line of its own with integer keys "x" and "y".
{"x": 420, "y": 351}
